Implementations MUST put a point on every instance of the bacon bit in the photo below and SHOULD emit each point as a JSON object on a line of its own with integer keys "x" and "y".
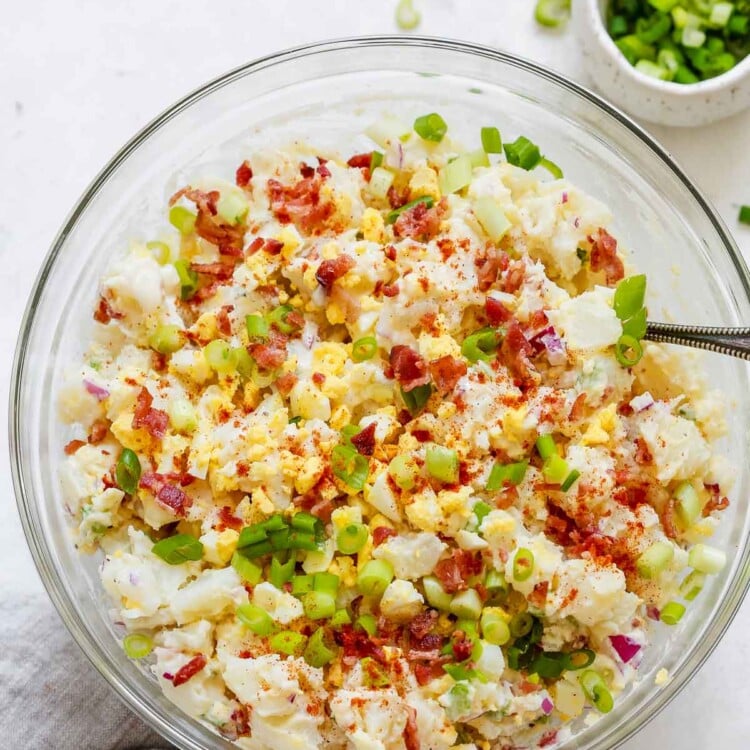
{"x": 411, "y": 732}
{"x": 390, "y": 290}
{"x": 99, "y": 431}
{"x": 73, "y": 446}
{"x": 358, "y": 645}
{"x": 227, "y": 520}
{"x": 604, "y": 256}
{"x": 490, "y": 262}
{"x": 642, "y": 453}
{"x": 497, "y": 312}
{"x": 446, "y": 372}
{"x": 396, "y": 197}
{"x": 286, "y": 382}
{"x": 220, "y": 271}
{"x": 539, "y": 595}
{"x": 716, "y": 502}
{"x": 364, "y": 441}
{"x": 526, "y": 688}
{"x": 212, "y": 229}
{"x": 189, "y": 670}
{"x": 390, "y": 252}
{"x": 318, "y": 378}
{"x": 422, "y": 435}
{"x": 104, "y": 312}
{"x": 423, "y": 623}
{"x": 447, "y": 247}
{"x": 551, "y": 737}
{"x": 515, "y": 352}
{"x": 151, "y": 481}
{"x": 155, "y": 421}
{"x": 159, "y": 361}
{"x": 420, "y": 223}
{"x": 462, "y": 646}
{"x": 361, "y": 161}
{"x": 381, "y": 533}
{"x": 174, "y": 498}
{"x": 240, "y": 718}
{"x": 425, "y": 673}
{"x": 322, "y": 169}
{"x": 255, "y": 245}
{"x": 300, "y": 203}
{"x": 204, "y": 293}
{"x": 454, "y": 571}
{"x": 514, "y": 277}
{"x": 223, "y": 323}
{"x": 306, "y": 170}
{"x": 272, "y": 353}
{"x": 409, "y": 369}
{"x": 331, "y": 270}
{"x": 244, "y": 174}
{"x": 667, "y": 519}
{"x": 578, "y": 409}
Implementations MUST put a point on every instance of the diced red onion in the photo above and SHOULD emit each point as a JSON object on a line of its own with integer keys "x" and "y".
{"x": 547, "y": 706}
{"x": 96, "y": 390}
{"x": 565, "y": 196}
{"x": 577, "y": 222}
{"x": 653, "y": 613}
{"x": 556, "y": 354}
{"x": 625, "y": 646}
{"x": 642, "y": 402}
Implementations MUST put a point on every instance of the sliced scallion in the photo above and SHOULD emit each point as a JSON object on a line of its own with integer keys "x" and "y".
{"x": 374, "y": 576}
{"x": 671, "y": 613}
{"x": 364, "y": 349}
{"x": 492, "y": 142}
{"x": 178, "y": 549}
{"x": 431, "y": 127}
{"x": 350, "y": 466}
{"x": 128, "y": 471}
{"x": 523, "y": 564}
{"x": 655, "y": 559}
{"x": 137, "y": 645}
{"x": 707, "y": 559}
{"x": 255, "y": 619}
{"x": 442, "y": 463}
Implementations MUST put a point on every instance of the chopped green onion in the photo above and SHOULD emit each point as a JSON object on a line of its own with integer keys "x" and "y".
{"x": 552, "y": 12}
{"x": 232, "y": 207}
{"x": 655, "y": 559}
{"x": 255, "y": 618}
{"x": 435, "y": 594}
{"x": 307, "y": 522}
{"x": 319, "y": 605}
{"x": 278, "y": 317}
{"x": 521, "y": 624}
{"x": 523, "y": 564}
{"x": 738, "y": 24}
{"x": 652, "y": 70}
{"x": 166, "y": 339}
{"x": 688, "y": 504}
{"x": 744, "y": 215}
{"x": 664, "y": 6}
{"x": 220, "y": 357}
{"x": 128, "y": 471}
{"x": 672, "y": 613}
{"x": 376, "y": 160}
{"x": 380, "y": 182}
{"x": 578, "y": 659}
{"x": 188, "y": 279}
{"x": 374, "y": 576}
{"x": 431, "y": 127}
{"x": 545, "y": 446}
{"x": 178, "y": 549}
{"x": 373, "y": 674}
{"x": 685, "y": 75}
{"x": 692, "y": 37}
{"x": 246, "y": 569}
{"x": 482, "y": 345}
{"x": 257, "y": 327}
{"x": 281, "y": 572}
{"x": 494, "y": 628}
{"x": 490, "y": 215}
{"x": 328, "y": 583}
{"x": 479, "y": 158}
{"x": 456, "y": 174}
{"x": 287, "y": 642}
{"x": 630, "y": 295}
{"x": 404, "y": 471}
{"x": 161, "y": 251}
{"x": 707, "y": 559}
{"x": 636, "y": 326}
{"x": 505, "y": 474}
{"x": 340, "y": 617}
{"x": 570, "y": 480}
{"x": 182, "y": 416}
{"x": 364, "y": 349}
{"x": 692, "y": 585}
{"x": 442, "y": 463}
{"x": 319, "y": 651}
{"x": 481, "y": 510}
{"x": 720, "y": 14}
{"x": 634, "y": 49}
{"x": 350, "y": 466}
{"x": 368, "y": 623}
{"x": 466, "y": 604}
{"x": 302, "y": 584}
{"x": 392, "y": 216}
{"x": 522, "y": 153}
{"x": 407, "y": 16}
{"x": 555, "y": 470}
{"x": 628, "y": 351}
{"x": 416, "y": 398}
{"x": 137, "y": 645}
{"x": 651, "y": 29}
{"x": 182, "y": 219}
{"x": 348, "y": 432}
{"x": 551, "y": 167}
{"x": 495, "y": 583}
{"x": 352, "y": 538}
{"x": 388, "y": 130}
{"x": 492, "y": 143}
{"x": 596, "y": 691}
{"x": 245, "y": 364}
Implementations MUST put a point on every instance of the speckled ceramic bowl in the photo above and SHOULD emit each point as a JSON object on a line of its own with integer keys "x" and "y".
{"x": 648, "y": 98}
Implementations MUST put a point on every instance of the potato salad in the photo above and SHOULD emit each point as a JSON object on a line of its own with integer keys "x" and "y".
{"x": 376, "y": 457}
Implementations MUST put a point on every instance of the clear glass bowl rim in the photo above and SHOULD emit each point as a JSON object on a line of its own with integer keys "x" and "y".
{"x": 26, "y": 501}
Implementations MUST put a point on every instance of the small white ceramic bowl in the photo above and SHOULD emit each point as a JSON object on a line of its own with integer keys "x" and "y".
{"x": 647, "y": 98}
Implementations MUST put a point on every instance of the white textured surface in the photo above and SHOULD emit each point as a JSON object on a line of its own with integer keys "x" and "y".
{"x": 78, "y": 78}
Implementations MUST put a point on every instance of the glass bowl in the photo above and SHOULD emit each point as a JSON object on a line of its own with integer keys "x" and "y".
{"x": 328, "y": 93}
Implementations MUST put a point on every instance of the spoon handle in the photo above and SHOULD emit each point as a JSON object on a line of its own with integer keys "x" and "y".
{"x": 723, "y": 340}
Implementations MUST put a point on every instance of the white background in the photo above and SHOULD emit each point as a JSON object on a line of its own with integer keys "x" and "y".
{"x": 79, "y": 77}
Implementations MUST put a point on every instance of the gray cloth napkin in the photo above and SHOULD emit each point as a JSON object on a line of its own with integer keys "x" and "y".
{"x": 50, "y": 695}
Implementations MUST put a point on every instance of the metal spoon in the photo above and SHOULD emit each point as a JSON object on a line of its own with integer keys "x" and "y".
{"x": 732, "y": 341}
